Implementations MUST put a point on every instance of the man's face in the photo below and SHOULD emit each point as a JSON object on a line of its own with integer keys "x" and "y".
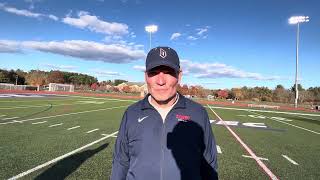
{"x": 162, "y": 82}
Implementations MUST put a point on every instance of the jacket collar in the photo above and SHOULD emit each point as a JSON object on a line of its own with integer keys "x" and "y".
{"x": 180, "y": 104}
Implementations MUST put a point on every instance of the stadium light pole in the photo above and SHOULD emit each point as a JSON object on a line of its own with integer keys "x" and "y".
{"x": 151, "y": 29}
{"x": 297, "y": 20}
{"x": 17, "y": 79}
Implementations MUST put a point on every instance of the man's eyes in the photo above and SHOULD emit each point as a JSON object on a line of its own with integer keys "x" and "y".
{"x": 153, "y": 73}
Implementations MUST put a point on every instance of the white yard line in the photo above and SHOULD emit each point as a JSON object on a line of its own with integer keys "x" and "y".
{"x": 45, "y": 105}
{"x": 107, "y": 135}
{"x": 2, "y": 115}
{"x": 60, "y": 157}
{"x": 54, "y": 125}
{"x": 60, "y": 115}
{"x": 93, "y": 130}
{"x": 277, "y": 112}
{"x": 39, "y": 100}
{"x": 288, "y": 124}
{"x": 108, "y": 99}
{"x": 40, "y": 122}
{"x": 219, "y": 149}
{"x": 308, "y": 118}
{"x": 261, "y": 158}
{"x": 289, "y": 159}
{"x": 75, "y": 127}
{"x": 246, "y": 147}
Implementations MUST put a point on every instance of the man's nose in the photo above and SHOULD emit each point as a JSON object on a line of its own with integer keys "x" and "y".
{"x": 161, "y": 79}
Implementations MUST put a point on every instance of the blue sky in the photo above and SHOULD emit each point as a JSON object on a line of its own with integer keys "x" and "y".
{"x": 221, "y": 44}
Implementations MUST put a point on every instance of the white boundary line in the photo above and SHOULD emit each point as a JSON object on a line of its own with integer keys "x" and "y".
{"x": 84, "y": 103}
{"x": 54, "y": 125}
{"x": 75, "y": 127}
{"x": 108, "y": 99}
{"x": 277, "y": 112}
{"x": 264, "y": 159}
{"x": 93, "y": 130}
{"x": 44, "y": 105}
{"x": 288, "y": 123}
{"x": 40, "y": 122}
{"x": 254, "y": 156}
{"x": 219, "y": 149}
{"x": 59, "y": 115}
{"x": 60, "y": 157}
{"x": 10, "y": 118}
{"x": 289, "y": 159}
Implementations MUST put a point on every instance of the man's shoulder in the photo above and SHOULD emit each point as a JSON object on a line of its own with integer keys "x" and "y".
{"x": 135, "y": 106}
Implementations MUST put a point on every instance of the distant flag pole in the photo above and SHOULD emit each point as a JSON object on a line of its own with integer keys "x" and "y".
{"x": 297, "y": 20}
{"x": 151, "y": 29}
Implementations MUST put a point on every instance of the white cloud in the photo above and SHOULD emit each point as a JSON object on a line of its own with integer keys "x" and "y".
{"x": 106, "y": 73}
{"x": 27, "y": 13}
{"x": 87, "y": 50}
{"x": 139, "y": 68}
{"x": 133, "y": 35}
{"x": 219, "y": 70}
{"x": 209, "y": 82}
{"x": 7, "y": 46}
{"x": 53, "y": 17}
{"x": 192, "y": 38}
{"x": 59, "y": 67}
{"x": 201, "y": 31}
{"x": 175, "y": 36}
{"x": 93, "y": 23}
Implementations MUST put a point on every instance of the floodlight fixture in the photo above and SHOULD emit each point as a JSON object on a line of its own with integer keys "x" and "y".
{"x": 298, "y": 19}
{"x": 151, "y": 29}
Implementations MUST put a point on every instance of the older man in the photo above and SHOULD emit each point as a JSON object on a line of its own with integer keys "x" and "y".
{"x": 164, "y": 136}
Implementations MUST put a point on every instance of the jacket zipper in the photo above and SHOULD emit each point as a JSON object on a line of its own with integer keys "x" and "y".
{"x": 162, "y": 150}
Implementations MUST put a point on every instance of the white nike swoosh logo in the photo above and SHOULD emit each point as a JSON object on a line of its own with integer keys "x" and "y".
{"x": 141, "y": 119}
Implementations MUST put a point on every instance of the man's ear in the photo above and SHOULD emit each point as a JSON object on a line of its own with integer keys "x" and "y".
{"x": 179, "y": 76}
{"x": 145, "y": 76}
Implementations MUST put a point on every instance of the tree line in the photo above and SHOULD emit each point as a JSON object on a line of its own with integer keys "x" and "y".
{"x": 41, "y": 78}
{"x": 278, "y": 94}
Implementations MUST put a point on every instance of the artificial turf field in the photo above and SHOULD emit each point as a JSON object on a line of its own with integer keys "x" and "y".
{"x": 72, "y": 137}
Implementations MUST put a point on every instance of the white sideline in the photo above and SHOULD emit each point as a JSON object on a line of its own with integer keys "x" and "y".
{"x": 40, "y": 122}
{"x": 290, "y": 124}
{"x": 73, "y": 127}
{"x": 54, "y": 125}
{"x": 93, "y": 130}
{"x": 107, "y": 135}
{"x": 59, "y": 115}
{"x": 109, "y": 99}
{"x": 44, "y": 105}
{"x": 254, "y": 156}
{"x": 289, "y": 159}
{"x": 60, "y": 157}
{"x": 256, "y": 110}
{"x": 219, "y": 149}
{"x": 246, "y": 156}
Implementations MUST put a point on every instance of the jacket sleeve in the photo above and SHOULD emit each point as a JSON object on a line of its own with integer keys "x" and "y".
{"x": 121, "y": 160}
{"x": 209, "y": 165}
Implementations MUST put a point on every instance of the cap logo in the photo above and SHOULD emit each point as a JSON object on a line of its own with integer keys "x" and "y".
{"x": 163, "y": 53}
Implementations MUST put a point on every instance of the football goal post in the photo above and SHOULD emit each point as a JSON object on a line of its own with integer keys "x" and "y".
{"x": 61, "y": 87}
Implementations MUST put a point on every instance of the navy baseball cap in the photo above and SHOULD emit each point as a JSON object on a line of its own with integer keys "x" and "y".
{"x": 162, "y": 56}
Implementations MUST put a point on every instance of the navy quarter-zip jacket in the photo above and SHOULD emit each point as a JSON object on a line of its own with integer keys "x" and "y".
{"x": 181, "y": 147}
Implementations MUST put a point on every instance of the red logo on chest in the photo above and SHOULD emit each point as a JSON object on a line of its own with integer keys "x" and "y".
{"x": 182, "y": 117}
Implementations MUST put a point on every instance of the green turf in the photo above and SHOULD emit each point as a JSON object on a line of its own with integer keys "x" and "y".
{"x": 24, "y": 146}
